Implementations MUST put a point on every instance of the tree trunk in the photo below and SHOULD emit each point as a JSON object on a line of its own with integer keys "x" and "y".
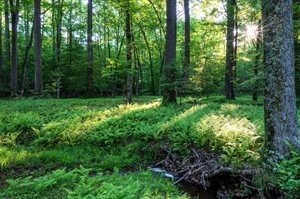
{"x": 14, "y": 71}
{"x": 136, "y": 74}
{"x": 70, "y": 50}
{"x": 25, "y": 61}
{"x": 169, "y": 95}
{"x": 7, "y": 44}
{"x": 53, "y": 29}
{"x": 281, "y": 122}
{"x": 235, "y": 43}
{"x": 230, "y": 48}
{"x": 158, "y": 17}
{"x": 38, "y": 48}
{"x": 187, "y": 39}
{"x": 90, "y": 50}
{"x": 256, "y": 62}
{"x": 150, "y": 59}
{"x": 128, "y": 52}
{"x": 58, "y": 46}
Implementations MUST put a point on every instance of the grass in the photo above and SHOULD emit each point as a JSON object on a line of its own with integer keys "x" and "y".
{"x": 79, "y": 138}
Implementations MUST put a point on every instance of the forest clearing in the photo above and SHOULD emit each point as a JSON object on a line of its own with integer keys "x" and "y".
{"x": 103, "y": 148}
{"x": 149, "y": 99}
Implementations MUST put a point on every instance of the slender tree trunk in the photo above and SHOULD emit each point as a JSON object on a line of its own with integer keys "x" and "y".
{"x": 187, "y": 40}
{"x": 25, "y": 61}
{"x": 53, "y": 30}
{"x": 70, "y": 51}
{"x": 90, "y": 50}
{"x": 7, "y": 44}
{"x": 158, "y": 17}
{"x": 38, "y": 48}
{"x": 103, "y": 65}
{"x": 256, "y": 62}
{"x": 150, "y": 59}
{"x": 128, "y": 51}
{"x": 170, "y": 68}
{"x": 58, "y": 46}
{"x": 187, "y": 51}
{"x": 135, "y": 55}
{"x": 235, "y": 43}
{"x": 281, "y": 122}
{"x": 1, "y": 57}
{"x": 138, "y": 73}
{"x": 14, "y": 72}
{"x": 230, "y": 48}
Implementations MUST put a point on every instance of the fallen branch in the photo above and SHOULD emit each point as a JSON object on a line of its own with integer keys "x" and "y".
{"x": 230, "y": 170}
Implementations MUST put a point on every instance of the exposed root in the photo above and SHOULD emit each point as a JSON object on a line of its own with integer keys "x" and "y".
{"x": 201, "y": 169}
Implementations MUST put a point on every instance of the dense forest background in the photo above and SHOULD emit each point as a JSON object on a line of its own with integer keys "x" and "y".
{"x": 66, "y": 68}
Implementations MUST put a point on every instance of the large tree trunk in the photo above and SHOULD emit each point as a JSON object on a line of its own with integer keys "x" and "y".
{"x": 169, "y": 95}
{"x": 256, "y": 62}
{"x": 14, "y": 71}
{"x": 38, "y": 48}
{"x": 7, "y": 44}
{"x": 128, "y": 51}
{"x": 90, "y": 50}
{"x": 230, "y": 50}
{"x": 281, "y": 122}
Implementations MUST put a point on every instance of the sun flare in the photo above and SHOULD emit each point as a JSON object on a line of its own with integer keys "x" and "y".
{"x": 251, "y": 32}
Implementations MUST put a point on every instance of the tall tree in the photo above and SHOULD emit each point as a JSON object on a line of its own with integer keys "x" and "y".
{"x": 14, "y": 7}
{"x": 90, "y": 50}
{"x": 281, "y": 122}
{"x": 26, "y": 59}
{"x": 230, "y": 49}
{"x": 169, "y": 95}
{"x": 128, "y": 32}
{"x": 38, "y": 48}
{"x": 187, "y": 39}
{"x": 58, "y": 46}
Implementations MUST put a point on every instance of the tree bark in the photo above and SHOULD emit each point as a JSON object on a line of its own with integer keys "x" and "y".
{"x": 230, "y": 50}
{"x": 58, "y": 46}
{"x": 90, "y": 50}
{"x": 128, "y": 51}
{"x": 280, "y": 113}
{"x": 38, "y": 48}
{"x": 14, "y": 71}
{"x": 187, "y": 40}
{"x": 25, "y": 61}
{"x": 169, "y": 95}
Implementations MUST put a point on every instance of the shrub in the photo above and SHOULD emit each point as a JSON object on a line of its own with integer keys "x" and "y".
{"x": 288, "y": 177}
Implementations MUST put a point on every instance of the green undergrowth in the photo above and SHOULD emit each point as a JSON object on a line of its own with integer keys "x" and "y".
{"x": 37, "y": 137}
{"x": 84, "y": 183}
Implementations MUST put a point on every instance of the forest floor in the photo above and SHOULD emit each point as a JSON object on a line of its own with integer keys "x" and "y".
{"x": 105, "y": 148}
